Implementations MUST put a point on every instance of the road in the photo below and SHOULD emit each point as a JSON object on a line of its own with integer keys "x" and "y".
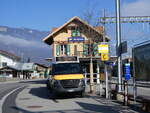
{"x": 8, "y": 92}
{"x": 36, "y": 98}
{"x": 6, "y": 88}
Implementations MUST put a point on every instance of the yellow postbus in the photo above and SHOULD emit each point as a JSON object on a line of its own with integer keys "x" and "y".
{"x": 67, "y": 77}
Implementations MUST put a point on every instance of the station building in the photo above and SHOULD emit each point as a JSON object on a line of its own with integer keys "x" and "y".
{"x": 78, "y": 38}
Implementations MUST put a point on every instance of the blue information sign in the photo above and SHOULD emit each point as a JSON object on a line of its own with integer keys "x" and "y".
{"x": 76, "y": 39}
{"x": 127, "y": 71}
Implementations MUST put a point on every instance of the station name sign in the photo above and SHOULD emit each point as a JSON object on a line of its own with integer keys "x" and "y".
{"x": 76, "y": 39}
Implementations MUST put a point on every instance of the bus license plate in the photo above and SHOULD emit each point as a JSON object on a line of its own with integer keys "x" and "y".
{"x": 71, "y": 90}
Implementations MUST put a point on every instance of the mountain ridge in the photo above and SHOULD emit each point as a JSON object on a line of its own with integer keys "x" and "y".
{"x": 26, "y": 43}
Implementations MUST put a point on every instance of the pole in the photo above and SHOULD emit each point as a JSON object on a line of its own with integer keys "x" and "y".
{"x": 91, "y": 70}
{"x": 91, "y": 76}
{"x": 125, "y": 93}
{"x": 118, "y": 38}
{"x": 85, "y": 76}
{"x": 134, "y": 82}
{"x": 98, "y": 77}
{"x": 105, "y": 65}
{"x": 106, "y": 77}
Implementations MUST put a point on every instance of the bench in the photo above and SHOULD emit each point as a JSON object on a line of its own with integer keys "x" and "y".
{"x": 145, "y": 102}
{"x": 112, "y": 93}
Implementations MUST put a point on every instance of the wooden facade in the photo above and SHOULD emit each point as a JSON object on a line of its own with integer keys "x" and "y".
{"x": 75, "y": 38}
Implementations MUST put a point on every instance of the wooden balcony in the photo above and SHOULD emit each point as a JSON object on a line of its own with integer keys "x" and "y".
{"x": 82, "y": 54}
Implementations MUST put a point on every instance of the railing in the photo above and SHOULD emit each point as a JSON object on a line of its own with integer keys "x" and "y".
{"x": 2, "y": 78}
{"x": 82, "y": 55}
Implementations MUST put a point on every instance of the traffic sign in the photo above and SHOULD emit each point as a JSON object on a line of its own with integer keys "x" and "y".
{"x": 103, "y": 48}
{"x": 124, "y": 47}
{"x": 104, "y": 57}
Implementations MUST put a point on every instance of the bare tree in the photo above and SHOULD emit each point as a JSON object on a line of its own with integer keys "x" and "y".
{"x": 95, "y": 36}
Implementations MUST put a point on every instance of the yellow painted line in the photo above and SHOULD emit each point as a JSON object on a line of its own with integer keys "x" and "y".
{"x": 68, "y": 76}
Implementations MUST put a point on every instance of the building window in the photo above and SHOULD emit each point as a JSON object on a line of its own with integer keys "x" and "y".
{"x": 86, "y": 49}
{"x": 63, "y": 50}
{"x": 4, "y": 64}
{"x": 75, "y": 33}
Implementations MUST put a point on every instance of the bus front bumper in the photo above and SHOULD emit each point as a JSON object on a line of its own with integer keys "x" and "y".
{"x": 69, "y": 90}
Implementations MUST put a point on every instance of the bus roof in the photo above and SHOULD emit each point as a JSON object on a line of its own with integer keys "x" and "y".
{"x": 66, "y": 59}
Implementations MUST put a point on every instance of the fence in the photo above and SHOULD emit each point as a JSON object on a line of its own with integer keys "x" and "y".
{"x": 142, "y": 87}
{"x": 4, "y": 78}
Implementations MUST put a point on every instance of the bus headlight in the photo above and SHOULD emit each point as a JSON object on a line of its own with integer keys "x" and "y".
{"x": 56, "y": 84}
{"x": 82, "y": 83}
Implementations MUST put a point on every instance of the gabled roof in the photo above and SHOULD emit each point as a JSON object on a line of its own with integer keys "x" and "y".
{"x": 21, "y": 67}
{"x": 49, "y": 38}
{"x": 10, "y": 55}
{"x": 7, "y": 69}
{"x": 41, "y": 65}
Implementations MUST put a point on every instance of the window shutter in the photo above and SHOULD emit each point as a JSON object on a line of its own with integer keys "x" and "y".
{"x": 68, "y": 50}
{"x": 85, "y": 49}
{"x": 57, "y": 50}
{"x": 95, "y": 49}
{"x": 74, "y": 33}
{"x": 78, "y": 33}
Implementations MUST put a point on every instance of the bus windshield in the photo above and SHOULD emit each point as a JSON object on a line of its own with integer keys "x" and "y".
{"x": 66, "y": 68}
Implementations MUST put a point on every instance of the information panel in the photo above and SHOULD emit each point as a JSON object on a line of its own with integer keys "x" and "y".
{"x": 127, "y": 71}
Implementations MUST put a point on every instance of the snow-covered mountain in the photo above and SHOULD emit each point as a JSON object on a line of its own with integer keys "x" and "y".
{"x": 26, "y": 43}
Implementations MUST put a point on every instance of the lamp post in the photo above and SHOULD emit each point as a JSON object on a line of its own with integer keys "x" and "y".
{"x": 118, "y": 45}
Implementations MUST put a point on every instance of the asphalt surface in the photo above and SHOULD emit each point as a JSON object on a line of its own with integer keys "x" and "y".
{"x": 7, "y": 87}
{"x": 9, "y": 106}
{"x": 36, "y": 98}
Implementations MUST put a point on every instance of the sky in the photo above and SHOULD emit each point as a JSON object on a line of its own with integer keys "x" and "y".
{"x": 45, "y": 14}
